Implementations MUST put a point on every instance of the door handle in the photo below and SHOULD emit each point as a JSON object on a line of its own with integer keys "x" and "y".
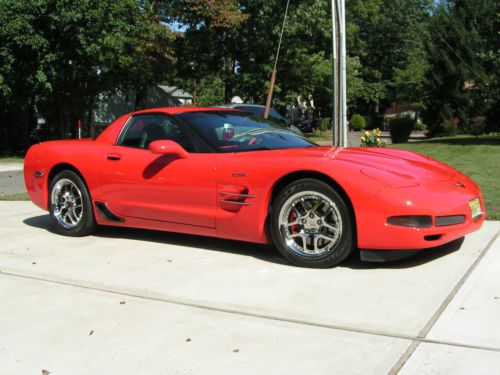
{"x": 114, "y": 156}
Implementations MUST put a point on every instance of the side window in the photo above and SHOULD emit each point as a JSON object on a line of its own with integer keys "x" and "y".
{"x": 144, "y": 129}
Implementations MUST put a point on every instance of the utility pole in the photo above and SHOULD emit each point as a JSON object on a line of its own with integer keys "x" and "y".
{"x": 339, "y": 66}
{"x": 273, "y": 74}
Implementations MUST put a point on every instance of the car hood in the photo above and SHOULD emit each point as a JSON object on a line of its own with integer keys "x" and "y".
{"x": 403, "y": 163}
{"x": 409, "y": 168}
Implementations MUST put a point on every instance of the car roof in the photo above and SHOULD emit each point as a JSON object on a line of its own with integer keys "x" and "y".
{"x": 178, "y": 110}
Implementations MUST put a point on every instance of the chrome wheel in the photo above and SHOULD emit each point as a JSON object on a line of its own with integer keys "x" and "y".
{"x": 67, "y": 203}
{"x": 310, "y": 224}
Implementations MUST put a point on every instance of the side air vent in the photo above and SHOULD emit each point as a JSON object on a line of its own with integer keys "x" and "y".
{"x": 106, "y": 214}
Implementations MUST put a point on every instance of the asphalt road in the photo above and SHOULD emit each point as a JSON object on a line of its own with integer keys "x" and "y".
{"x": 141, "y": 302}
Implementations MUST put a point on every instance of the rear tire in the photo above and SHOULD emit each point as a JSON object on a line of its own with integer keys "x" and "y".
{"x": 70, "y": 205}
{"x": 311, "y": 225}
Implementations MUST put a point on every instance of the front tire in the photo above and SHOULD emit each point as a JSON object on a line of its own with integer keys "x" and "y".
{"x": 70, "y": 205}
{"x": 311, "y": 225}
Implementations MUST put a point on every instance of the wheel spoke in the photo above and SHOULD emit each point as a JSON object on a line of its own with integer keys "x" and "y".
{"x": 73, "y": 217}
{"x": 326, "y": 238}
{"x": 295, "y": 222}
{"x": 304, "y": 244}
{"x": 314, "y": 209}
{"x": 316, "y": 239}
{"x": 331, "y": 228}
{"x": 296, "y": 210}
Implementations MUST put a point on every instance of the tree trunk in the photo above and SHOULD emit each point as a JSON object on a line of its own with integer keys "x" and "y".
{"x": 194, "y": 85}
{"x": 140, "y": 98}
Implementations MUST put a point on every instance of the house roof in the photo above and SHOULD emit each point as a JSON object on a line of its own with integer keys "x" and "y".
{"x": 176, "y": 92}
{"x": 397, "y": 108}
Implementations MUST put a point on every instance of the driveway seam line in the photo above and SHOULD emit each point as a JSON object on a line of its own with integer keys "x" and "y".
{"x": 421, "y": 337}
{"x": 414, "y": 340}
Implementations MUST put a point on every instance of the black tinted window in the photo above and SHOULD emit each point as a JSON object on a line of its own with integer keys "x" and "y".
{"x": 141, "y": 130}
{"x": 231, "y": 131}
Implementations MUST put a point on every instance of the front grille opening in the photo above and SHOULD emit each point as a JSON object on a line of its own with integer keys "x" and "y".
{"x": 433, "y": 237}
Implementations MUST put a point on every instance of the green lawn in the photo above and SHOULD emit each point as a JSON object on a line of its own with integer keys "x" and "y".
{"x": 15, "y": 197}
{"x": 320, "y": 136}
{"x": 477, "y": 157}
{"x": 11, "y": 159}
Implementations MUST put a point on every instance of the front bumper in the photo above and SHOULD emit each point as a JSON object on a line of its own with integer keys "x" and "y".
{"x": 438, "y": 200}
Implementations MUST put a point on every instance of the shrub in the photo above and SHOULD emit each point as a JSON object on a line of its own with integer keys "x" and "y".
{"x": 372, "y": 139}
{"x": 450, "y": 128}
{"x": 477, "y": 126}
{"x": 368, "y": 122}
{"x": 420, "y": 127}
{"x": 325, "y": 124}
{"x": 357, "y": 122}
{"x": 401, "y": 128}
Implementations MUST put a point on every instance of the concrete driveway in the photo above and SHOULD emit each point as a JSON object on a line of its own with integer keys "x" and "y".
{"x": 11, "y": 178}
{"x": 139, "y": 302}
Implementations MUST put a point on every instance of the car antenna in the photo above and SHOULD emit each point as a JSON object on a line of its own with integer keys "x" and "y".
{"x": 273, "y": 74}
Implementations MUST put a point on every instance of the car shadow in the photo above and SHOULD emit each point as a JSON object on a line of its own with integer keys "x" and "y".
{"x": 418, "y": 259}
{"x": 265, "y": 253}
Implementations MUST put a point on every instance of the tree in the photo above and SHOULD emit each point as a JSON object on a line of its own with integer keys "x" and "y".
{"x": 58, "y": 56}
{"x": 20, "y": 77}
{"x": 465, "y": 56}
{"x": 388, "y": 37}
{"x": 206, "y": 47}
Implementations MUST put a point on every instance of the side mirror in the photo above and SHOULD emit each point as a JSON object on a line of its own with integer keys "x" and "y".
{"x": 168, "y": 147}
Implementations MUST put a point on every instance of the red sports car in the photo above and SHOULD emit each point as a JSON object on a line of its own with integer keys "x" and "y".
{"x": 229, "y": 174}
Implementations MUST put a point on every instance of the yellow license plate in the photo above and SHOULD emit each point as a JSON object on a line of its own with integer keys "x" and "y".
{"x": 475, "y": 208}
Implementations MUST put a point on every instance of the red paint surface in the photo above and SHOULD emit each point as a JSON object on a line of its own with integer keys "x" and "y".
{"x": 197, "y": 194}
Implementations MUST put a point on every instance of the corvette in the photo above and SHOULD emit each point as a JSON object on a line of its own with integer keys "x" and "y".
{"x": 230, "y": 174}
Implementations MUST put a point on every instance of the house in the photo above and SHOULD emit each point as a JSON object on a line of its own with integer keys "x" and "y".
{"x": 179, "y": 94}
{"x": 110, "y": 107}
{"x": 401, "y": 109}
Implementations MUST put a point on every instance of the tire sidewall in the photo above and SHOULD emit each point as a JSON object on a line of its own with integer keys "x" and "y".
{"x": 342, "y": 248}
{"x": 87, "y": 223}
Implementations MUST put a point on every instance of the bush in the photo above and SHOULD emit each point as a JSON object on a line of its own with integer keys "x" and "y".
{"x": 420, "y": 127}
{"x": 325, "y": 124}
{"x": 357, "y": 123}
{"x": 401, "y": 128}
{"x": 368, "y": 122}
{"x": 450, "y": 128}
{"x": 477, "y": 127}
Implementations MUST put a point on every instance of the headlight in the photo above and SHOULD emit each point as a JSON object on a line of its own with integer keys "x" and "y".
{"x": 411, "y": 221}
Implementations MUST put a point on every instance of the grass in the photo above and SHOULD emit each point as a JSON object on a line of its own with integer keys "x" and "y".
{"x": 15, "y": 197}
{"x": 477, "y": 157}
{"x": 320, "y": 136}
{"x": 11, "y": 159}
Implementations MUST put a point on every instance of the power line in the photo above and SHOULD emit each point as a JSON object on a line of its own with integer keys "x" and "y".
{"x": 471, "y": 69}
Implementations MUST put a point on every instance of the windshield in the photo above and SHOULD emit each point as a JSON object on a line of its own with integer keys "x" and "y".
{"x": 232, "y": 131}
{"x": 256, "y": 110}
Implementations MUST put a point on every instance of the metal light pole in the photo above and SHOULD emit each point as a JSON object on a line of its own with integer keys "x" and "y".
{"x": 339, "y": 103}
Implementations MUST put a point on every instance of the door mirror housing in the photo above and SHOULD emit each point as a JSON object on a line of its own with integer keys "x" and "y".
{"x": 168, "y": 147}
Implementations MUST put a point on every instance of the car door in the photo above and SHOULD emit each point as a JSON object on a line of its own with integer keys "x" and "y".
{"x": 137, "y": 183}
